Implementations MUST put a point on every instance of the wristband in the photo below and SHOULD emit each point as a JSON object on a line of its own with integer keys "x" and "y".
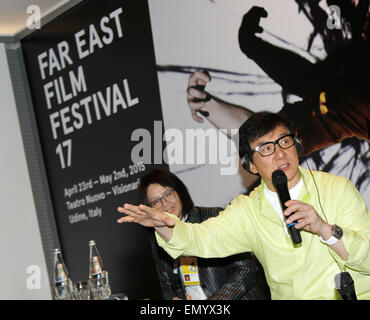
{"x": 330, "y": 241}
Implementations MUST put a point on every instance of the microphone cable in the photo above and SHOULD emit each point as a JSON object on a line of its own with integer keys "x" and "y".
{"x": 317, "y": 190}
{"x": 314, "y": 181}
{"x": 344, "y": 283}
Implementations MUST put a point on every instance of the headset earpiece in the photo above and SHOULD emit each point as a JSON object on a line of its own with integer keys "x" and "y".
{"x": 298, "y": 145}
{"x": 245, "y": 163}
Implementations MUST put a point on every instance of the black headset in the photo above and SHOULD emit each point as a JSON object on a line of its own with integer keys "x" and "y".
{"x": 246, "y": 157}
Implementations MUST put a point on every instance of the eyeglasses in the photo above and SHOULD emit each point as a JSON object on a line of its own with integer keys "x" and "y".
{"x": 168, "y": 195}
{"x": 268, "y": 148}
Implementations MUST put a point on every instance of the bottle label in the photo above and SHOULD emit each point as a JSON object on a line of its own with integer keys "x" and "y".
{"x": 95, "y": 265}
{"x": 63, "y": 290}
{"x": 60, "y": 273}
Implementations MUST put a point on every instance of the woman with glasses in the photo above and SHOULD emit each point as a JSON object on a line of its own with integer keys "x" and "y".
{"x": 194, "y": 278}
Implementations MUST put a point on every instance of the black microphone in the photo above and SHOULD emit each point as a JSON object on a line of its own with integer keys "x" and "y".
{"x": 345, "y": 286}
{"x": 280, "y": 182}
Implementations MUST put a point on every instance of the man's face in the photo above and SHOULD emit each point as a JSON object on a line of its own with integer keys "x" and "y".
{"x": 282, "y": 159}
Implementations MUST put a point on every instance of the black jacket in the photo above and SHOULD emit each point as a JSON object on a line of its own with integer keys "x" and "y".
{"x": 230, "y": 278}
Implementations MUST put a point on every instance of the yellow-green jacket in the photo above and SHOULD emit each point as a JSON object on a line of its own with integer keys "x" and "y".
{"x": 250, "y": 223}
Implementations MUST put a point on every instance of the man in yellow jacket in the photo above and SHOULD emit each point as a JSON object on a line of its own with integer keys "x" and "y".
{"x": 328, "y": 210}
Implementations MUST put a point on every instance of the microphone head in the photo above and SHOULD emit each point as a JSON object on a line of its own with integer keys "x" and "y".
{"x": 343, "y": 280}
{"x": 279, "y": 177}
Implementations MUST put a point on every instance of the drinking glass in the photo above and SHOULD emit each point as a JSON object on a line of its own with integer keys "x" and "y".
{"x": 99, "y": 284}
{"x": 82, "y": 290}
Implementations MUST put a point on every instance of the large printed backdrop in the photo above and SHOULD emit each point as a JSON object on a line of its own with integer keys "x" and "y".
{"x": 203, "y": 35}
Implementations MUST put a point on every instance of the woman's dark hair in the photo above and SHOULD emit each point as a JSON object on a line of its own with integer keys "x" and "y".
{"x": 256, "y": 126}
{"x": 165, "y": 179}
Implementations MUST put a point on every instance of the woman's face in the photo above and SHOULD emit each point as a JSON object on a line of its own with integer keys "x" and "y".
{"x": 164, "y": 199}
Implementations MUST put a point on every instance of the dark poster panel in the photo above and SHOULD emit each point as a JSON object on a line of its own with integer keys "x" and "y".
{"x": 93, "y": 81}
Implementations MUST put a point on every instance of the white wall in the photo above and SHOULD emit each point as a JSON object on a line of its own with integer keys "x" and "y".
{"x": 22, "y": 262}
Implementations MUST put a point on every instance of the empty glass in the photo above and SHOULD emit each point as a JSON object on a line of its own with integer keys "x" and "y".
{"x": 82, "y": 290}
{"x": 99, "y": 284}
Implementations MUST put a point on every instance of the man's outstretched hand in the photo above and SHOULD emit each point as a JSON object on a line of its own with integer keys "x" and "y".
{"x": 145, "y": 216}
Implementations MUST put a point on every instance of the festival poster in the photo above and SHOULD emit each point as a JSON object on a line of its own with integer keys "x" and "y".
{"x": 93, "y": 81}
